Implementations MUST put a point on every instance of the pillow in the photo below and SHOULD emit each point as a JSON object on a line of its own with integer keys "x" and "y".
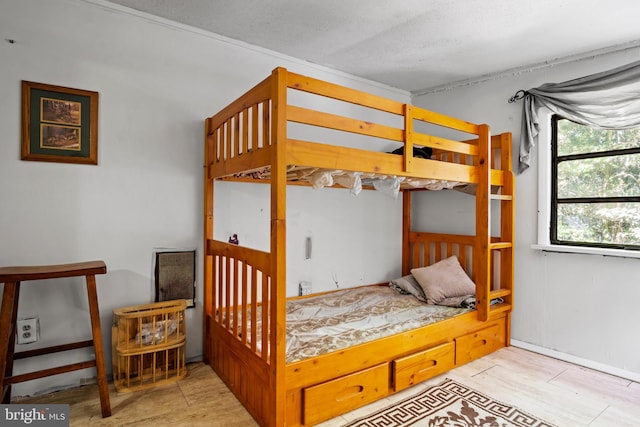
{"x": 408, "y": 285}
{"x": 444, "y": 279}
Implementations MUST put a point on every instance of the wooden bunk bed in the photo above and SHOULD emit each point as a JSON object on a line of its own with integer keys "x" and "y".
{"x": 245, "y": 289}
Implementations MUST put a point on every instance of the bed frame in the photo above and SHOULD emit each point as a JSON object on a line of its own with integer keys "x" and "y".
{"x": 250, "y": 135}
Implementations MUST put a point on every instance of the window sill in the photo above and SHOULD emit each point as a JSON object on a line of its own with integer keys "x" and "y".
{"x": 589, "y": 251}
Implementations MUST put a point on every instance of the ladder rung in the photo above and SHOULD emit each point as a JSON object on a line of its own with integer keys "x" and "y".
{"x": 499, "y": 308}
{"x": 501, "y": 197}
{"x": 500, "y": 245}
{"x": 497, "y": 293}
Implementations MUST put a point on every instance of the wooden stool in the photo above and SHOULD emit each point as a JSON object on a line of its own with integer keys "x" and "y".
{"x": 11, "y": 277}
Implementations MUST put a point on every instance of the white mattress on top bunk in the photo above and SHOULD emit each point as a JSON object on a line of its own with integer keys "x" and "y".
{"x": 320, "y": 178}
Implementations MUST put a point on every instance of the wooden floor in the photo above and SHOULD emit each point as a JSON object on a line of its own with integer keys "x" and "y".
{"x": 559, "y": 392}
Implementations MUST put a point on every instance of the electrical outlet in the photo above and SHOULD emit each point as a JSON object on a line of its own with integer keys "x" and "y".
{"x": 305, "y": 288}
{"x": 27, "y": 330}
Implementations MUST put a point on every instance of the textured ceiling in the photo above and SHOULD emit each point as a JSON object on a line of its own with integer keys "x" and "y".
{"x": 415, "y": 45}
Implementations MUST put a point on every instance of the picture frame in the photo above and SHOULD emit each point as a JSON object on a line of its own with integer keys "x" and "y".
{"x": 59, "y": 124}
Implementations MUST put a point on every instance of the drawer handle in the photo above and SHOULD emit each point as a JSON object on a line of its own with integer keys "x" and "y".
{"x": 349, "y": 393}
{"x": 432, "y": 363}
{"x": 480, "y": 343}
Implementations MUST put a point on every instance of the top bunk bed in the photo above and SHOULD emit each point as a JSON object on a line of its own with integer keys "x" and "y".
{"x": 248, "y": 137}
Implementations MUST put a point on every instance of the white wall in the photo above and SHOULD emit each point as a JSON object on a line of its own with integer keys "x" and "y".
{"x": 583, "y": 306}
{"x": 157, "y": 82}
{"x": 356, "y": 240}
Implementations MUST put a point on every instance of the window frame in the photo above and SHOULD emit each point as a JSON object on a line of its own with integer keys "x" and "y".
{"x": 547, "y": 174}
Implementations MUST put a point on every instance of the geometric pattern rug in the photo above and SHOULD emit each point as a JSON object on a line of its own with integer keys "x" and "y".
{"x": 450, "y": 404}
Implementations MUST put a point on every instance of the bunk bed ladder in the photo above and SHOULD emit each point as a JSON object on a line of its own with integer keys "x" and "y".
{"x": 499, "y": 274}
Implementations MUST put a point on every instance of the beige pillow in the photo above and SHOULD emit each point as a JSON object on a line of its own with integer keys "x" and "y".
{"x": 444, "y": 279}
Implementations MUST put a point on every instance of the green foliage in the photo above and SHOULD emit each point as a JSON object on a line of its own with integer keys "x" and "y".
{"x": 605, "y": 223}
{"x": 574, "y": 138}
{"x": 607, "y": 176}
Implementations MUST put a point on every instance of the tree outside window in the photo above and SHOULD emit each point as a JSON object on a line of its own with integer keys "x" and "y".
{"x": 595, "y": 186}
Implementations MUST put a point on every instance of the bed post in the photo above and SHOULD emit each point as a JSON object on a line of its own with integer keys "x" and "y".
{"x": 482, "y": 261}
{"x": 507, "y": 220}
{"x": 278, "y": 290}
{"x": 208, "y": 234}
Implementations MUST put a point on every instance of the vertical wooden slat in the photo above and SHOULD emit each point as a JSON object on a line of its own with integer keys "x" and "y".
{"x": 245, "y": 131}
{"x": 236, "y": 142}
{"x": 426, "y": 257}
{"x": 266, "y": 303}
{"x": 128, "y": 371}
{"x": 227, "y": 296}
{"x": 220, "y": 289}
{"x": 236, "y": 282}
{"x": 223, "y": 141}
{"x": 266, "y": 125}
{"x": 255, "y": 122}
{"x": 245, "y": 307}
{"x": 462, "y": 257}
{"x": 228, "y": 138}
{"x": 254, "y": 309}
{"x": 166, "y": 364}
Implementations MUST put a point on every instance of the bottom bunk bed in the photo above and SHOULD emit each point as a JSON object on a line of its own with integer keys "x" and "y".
{"x": 350, "y": 347}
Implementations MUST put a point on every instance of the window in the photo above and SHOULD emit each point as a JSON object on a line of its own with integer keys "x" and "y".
{"x": 595, "y": 186}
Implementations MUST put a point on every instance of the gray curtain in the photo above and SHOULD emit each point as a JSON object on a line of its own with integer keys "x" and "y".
{"x": 607, "y": 100}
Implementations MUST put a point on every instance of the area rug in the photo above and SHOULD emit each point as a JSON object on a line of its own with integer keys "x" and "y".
{"x": 450, "y": 404}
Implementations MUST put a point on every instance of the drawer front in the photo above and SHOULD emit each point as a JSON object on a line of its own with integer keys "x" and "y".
{"x": 329, "y": 399}
{"x": 477, "y": 344}
{"x": 426, "y": 364}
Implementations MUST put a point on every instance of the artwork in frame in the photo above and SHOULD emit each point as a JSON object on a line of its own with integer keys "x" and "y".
{"x": 59, "y": 124}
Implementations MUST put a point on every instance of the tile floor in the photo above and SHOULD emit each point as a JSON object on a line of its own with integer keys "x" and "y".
{"x": 559, "y": 392}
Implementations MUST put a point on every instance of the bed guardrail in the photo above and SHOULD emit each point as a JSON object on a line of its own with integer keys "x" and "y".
{"x": 243, "y": 127}
{"x": 429, "y": 248}
{"x": 239, "y": 136}
{"x": 240, "y": 299}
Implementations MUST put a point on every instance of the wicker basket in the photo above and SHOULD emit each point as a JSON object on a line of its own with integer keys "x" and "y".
{"x": 149, "y": 343}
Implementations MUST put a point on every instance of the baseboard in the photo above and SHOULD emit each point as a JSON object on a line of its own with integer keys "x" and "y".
{"x": 612, "y": 370}
{"x": 197, "y": 358}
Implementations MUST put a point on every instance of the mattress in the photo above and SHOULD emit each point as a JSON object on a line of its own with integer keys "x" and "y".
{"x": 329, "y": 322}
{"x": 334, "y": 321}
{"x": 355, "y": 181}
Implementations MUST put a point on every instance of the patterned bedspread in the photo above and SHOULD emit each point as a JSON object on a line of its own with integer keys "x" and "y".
{"x": 334, "y": 321}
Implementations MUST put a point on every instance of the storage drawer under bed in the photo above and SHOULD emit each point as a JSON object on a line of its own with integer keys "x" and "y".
{"x": 329, "y": 399}
{"x": 480, "y": 343}
{"x": 423, "y": 365}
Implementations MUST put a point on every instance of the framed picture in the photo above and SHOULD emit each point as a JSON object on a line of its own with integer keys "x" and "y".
{"x": 59, "y": 124}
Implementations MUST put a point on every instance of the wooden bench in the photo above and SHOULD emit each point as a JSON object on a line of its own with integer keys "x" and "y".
{"x": 11, "y": 277}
